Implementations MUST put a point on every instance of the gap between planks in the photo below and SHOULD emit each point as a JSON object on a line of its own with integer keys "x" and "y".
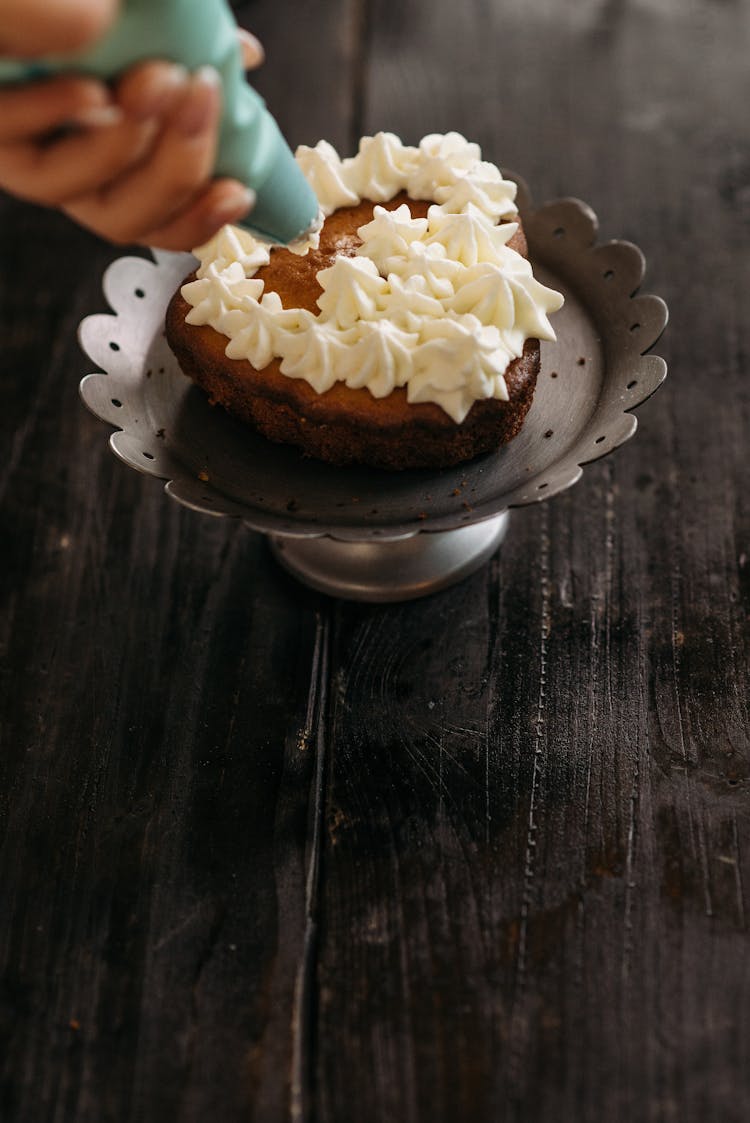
{"x": 301, "y": 1108}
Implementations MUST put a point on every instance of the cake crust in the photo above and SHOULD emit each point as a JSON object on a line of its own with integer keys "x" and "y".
{"x": 344, "y": 425}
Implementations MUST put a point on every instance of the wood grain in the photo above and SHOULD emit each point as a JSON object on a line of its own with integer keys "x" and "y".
{"x": 578, "y": 948}
{"x": 485, "y": 856}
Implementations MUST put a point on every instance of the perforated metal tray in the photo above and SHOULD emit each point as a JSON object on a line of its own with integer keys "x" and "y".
{"x": 590, "y": 380}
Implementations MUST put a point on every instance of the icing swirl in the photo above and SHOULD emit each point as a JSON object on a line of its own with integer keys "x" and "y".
{"x": 439, "y": 305}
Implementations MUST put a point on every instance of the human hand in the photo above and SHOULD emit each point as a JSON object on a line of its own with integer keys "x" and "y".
{"x": 33, "y": 28}
{"x": 132, "y": 163}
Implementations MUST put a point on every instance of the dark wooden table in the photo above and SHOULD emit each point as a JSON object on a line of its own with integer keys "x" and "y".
{"x": 480, "y": 857}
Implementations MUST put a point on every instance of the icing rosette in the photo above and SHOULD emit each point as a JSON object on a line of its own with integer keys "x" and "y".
{"x": 438, "y": 305}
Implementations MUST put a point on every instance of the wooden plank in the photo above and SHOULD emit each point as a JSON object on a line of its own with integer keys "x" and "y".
{"x": 155, "y": 773}
{"x": 311, "y": 80}
{"x": 539, "y": 826}
{"x": 156, "y": 694}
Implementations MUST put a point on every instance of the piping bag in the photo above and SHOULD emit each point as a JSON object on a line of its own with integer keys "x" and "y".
{"x": 202, "y": 33}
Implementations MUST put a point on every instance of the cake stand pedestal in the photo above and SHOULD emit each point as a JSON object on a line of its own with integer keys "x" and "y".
{"x": 362, "y": 533}
{"x": 392, "y": 569}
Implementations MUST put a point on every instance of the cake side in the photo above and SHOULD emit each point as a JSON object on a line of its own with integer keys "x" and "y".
{"x": 342, "y": 425}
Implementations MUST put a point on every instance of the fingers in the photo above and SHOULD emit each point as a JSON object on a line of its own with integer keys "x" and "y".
{"x": 181, "y": 163}
{"x": 135, "y": 163}
{"x": 37, "y": 108}
{"x": 31, "y": 28}
{"x": 222, "y": 201}
{"x": 253, "y": 54}
{"x": 80, "y": 162}
{"x": 156, "y": 195}
{"x": 112, "y": 135}
{"x": 152, "y": 89}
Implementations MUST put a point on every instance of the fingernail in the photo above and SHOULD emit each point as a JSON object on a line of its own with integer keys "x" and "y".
{"x": 99, "y": 116}
{"x": 233, "y": 205}
{"x": 208, "y": 76}
{"x": 160, "y": 90}
{"x": 197, "y": 111}
{"x": 252, "y": 49}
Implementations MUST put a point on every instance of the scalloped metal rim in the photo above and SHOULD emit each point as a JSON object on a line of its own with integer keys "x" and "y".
{"x": 561, "y": 235}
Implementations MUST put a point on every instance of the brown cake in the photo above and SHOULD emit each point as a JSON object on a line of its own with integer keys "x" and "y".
{"x": 345, "y": 425}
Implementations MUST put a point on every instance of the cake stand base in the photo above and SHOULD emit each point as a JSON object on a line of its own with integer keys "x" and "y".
{"x": 390, "y": 570}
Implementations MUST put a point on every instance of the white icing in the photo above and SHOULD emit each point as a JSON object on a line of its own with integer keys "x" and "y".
{"x": 468, "y": 238}
{"x": 353, "y": 290}
{"x": 440, "y": 305}
{"x": 322, "y": 169}
{"x": 380, "y": 168}
{"x": 233, "y": 244}
{"x": 309, "y": 239}
{"x": 387, "y": 238}
{"x": 380, "y": 359}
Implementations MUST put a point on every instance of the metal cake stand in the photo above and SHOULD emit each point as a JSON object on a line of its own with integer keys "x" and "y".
{"x": 363, "y": 533}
